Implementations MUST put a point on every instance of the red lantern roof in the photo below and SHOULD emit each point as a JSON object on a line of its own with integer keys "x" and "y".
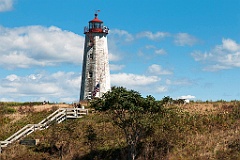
{"x": 96, "y": 19}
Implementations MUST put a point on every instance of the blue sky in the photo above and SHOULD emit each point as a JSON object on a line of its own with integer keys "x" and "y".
{"x": 182, "y": 49}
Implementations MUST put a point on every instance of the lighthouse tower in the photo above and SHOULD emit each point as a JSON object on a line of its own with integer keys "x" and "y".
{"x": 95, "y": 69}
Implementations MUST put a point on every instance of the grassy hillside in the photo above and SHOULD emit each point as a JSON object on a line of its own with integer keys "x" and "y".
{"x": 203, "y": 130}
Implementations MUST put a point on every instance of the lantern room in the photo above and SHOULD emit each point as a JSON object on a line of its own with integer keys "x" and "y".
{"x": 96, "y": 26}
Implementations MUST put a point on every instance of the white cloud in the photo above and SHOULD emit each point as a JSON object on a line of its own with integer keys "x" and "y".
{"x": 160, "y": 51}
{"x": 141, "y": 83}
{"x": 6, "y": 100}
{"x": 65, "y": 86}
{"x": 114, "y": 67}
{"x": 230, "y": 45}
{"x": 113, "y": 57}
{"x": 129, "y": 80}
{"x": 118, "y": 34}
{"x": 187, "y": 97}
{"x": 157, "y": 70}
{"x": 155, "y": 49}
{"x": 168, "y": 81}
{"x": 182, "y": 39}
{"x": 161, "y": 89}
{"x": 152, "y": 36}
{"x": 17, "y": 59}
{"x": 116, "y": 40}
{"x": 150, "y": 47}
{"x": 6, "y": 5}
{"x": 199, "y": 56}
{"x": 35, "y": 76}
{"x": 179, "y": 82}
{"x": 215, "y": 67}
{"x": 12, "y": 77}
{"x": 39, "y": 46}
{"x": 224, "y": 56}
{"x": 54, "y": 87}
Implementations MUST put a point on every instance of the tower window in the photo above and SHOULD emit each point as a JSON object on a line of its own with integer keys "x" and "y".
{"x": 90, "y": 74}
{"x": 91, "y": 56}
{"x": 90, "y": 26}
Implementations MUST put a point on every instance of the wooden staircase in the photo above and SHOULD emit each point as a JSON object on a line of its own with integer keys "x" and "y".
{"x": 56, "y": 117}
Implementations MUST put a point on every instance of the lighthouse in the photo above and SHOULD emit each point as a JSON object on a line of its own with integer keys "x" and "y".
{"x": 95, "y": 68}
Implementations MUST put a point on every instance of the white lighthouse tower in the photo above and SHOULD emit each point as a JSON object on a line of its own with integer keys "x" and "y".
{"x": 95, "y": 69}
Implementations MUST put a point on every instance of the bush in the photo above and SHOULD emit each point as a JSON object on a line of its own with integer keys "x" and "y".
{"x": 6, "y": 110}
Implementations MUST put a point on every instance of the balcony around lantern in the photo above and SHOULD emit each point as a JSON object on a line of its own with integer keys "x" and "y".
{"x": 97, "y": 28}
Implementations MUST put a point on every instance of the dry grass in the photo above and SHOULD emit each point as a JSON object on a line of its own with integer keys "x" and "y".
{"x": 200, "y": 108}
{"x": 208, "y": 108}
{"x": 14, "y": 117}
{"x": 199, "y": 135}
{"x": 40, "y": 108}
{"x": 207, "y": 145}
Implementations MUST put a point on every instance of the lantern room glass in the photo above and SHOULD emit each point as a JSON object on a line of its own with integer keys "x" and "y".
{"x": 95, "y": 25}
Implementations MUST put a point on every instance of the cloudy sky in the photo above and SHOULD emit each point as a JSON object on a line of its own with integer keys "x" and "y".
{"x": 182, "y": 49}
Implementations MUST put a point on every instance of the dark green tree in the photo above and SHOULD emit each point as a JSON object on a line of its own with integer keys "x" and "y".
{"x": 130, "y": 112}
{"x": 167, "y": 101}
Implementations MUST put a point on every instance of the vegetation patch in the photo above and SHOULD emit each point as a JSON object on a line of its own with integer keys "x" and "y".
{"x": 125, "y": 125}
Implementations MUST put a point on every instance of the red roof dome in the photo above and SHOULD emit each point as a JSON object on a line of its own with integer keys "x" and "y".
{"x": 96, "y": 19}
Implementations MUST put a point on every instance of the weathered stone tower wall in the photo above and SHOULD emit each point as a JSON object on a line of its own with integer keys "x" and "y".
{"x": 95, "y": 69}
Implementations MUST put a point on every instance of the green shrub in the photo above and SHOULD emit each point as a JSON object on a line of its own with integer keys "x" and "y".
{"x": 6, "y": 110}
{"x": 236, "y": 112}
